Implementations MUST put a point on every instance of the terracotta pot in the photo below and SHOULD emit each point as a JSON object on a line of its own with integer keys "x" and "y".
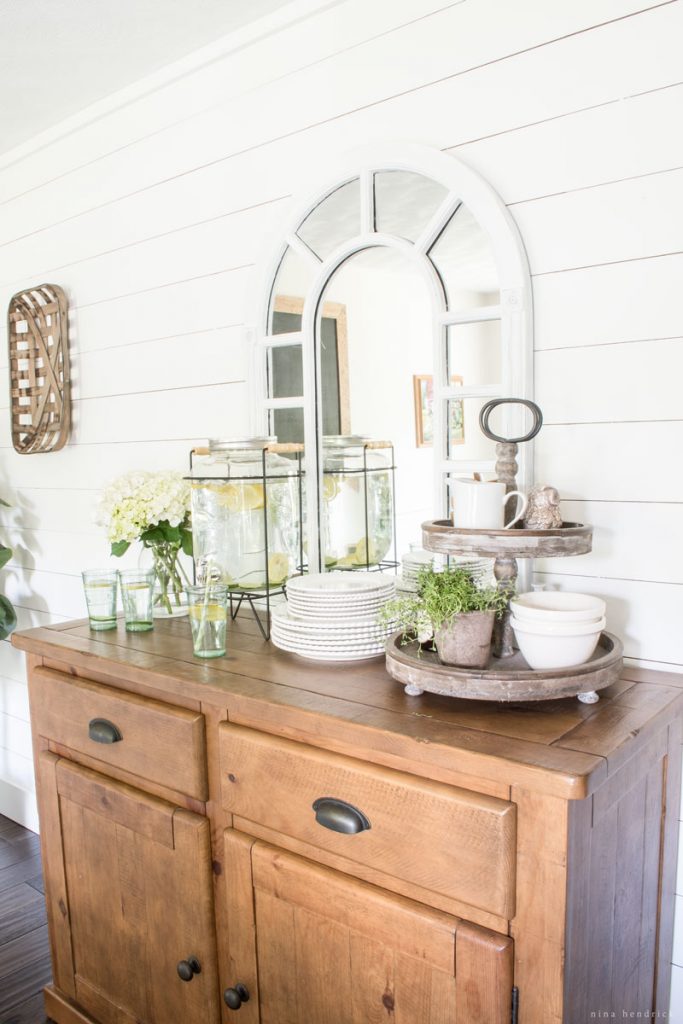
{"x": 466, "y": 640}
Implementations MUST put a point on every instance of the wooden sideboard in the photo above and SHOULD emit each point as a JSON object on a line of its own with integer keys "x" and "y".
{"x": 302, "y": 843}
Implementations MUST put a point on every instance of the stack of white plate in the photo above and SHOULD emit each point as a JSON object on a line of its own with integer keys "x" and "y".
{"x": 332, "y": 616}
{"x": 480, "y": 569}
{"x": 411, "y": 564}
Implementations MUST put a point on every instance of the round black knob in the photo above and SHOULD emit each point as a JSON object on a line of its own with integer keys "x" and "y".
{"x": 234, "y": 997}
{"x": 188, "y": 968}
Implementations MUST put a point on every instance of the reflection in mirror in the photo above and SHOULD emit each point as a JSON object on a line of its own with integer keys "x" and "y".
{"x": 463, "y": 257}
{"x": 294, "y": 276}
{"x": 405, "y": 202}
{"x": 474, "y": 352}
{"x": 465, "y": 439}
{"x": 389, "y": 317}
{"x": 285, "y": 368}
{"x": 333, "y": 221}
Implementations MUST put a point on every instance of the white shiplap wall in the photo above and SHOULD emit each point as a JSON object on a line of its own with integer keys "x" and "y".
{"x": 151, "y": 208}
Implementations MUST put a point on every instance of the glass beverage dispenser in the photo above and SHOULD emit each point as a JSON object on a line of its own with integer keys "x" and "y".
{"x": 246, "y": 514}
{"x": 358, "y": 526}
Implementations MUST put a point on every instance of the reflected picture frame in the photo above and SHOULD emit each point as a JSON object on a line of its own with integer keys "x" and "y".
{"x": 423, "y": 397}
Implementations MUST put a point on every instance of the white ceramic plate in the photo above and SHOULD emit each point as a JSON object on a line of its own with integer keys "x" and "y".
{"x": 328, "y": 652}
{"x": 340, "y": 583}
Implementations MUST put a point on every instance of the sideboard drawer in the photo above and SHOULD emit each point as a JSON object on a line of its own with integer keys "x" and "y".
{"x": 441, "y": 838}
{"x": 149, "y": 739}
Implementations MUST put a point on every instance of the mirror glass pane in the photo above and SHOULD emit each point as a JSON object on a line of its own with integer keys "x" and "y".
{"x": 294, "y": 277}
{"x": 383, "y": 314}
{"x": 463, "y": 257}
{"x": 333, "y": 221}
{"x": 405, "y": 202}
{"x": 474, "y": 353}
{"x": 465, "y": 439}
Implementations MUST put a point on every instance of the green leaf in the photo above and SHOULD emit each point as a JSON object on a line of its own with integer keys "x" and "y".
{"x": 155, "y": 535}
{"x": 5, "y": 503}
{"x": 120, "y": 548}
{"x": 172, "y": 533}
{"x": 5, "y": 555}
{"x": 186, "y": 536}
{"x": 8, "y": 617}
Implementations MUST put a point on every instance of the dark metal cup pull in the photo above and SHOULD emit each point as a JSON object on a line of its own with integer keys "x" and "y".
{"x": 102, "y": 731}
{"x": 339, "y": 816}
{"x": 234, "y": 997}
{"x": 188, "y": 968}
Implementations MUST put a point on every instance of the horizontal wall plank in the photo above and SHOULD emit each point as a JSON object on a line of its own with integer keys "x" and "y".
{"x": 645, "y": 616}
{"x": 613, "y": 303}
{"x": 16, "y": 769}
{"x": 68, "y": 552}
{"x": 244, "y": 65}
{"x": 626, "y": 220}
{"x": 208, "y": 357}
{"x": 410, "y": 59}
{"x": 15, "y": 735}
{"x": 97, "y": 464}
{"x": 217, "y": 411}
{"x": 612, "y": 382}
{"x": 619, "y": 139}
{"x": 14, "y": 699}
{"x": 19, "y": 804}
{"x": 612, "y": 461}
{"x": 198, "y": 251}
{"x": 179, "y": 308}
{"x": 631, "y": 540}
{"x": 56, "y": 595}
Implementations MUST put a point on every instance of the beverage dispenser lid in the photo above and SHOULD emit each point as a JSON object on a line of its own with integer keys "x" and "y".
{"x": 240, "y": 444}
{"x": 344, "y": 441}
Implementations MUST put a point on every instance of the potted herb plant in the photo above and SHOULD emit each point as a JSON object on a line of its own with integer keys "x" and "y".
{"x": 450, "y": 606}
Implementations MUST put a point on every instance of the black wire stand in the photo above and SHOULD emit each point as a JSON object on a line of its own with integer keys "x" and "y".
{"x": 238, "y": 595}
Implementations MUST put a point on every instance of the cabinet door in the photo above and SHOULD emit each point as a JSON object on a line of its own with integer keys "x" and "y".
{"x": 140, "y": 900}
{"x": 310, "y": 944}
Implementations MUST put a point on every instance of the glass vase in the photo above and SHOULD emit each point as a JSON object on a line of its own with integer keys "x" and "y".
{"x": 170, "y": 581}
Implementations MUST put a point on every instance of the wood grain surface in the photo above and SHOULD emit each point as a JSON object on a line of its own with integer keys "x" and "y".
{"x": 560, "y": 747}
{"x": 451, "y": 841}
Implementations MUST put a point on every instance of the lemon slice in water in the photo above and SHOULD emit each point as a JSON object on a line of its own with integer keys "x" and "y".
{"x": 278, "y": 568}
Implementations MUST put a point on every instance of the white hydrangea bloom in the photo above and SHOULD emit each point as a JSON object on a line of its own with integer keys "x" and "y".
{"x": 136, "y": 501}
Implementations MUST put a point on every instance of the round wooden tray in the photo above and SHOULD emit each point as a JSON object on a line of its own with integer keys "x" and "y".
{"x": 569, "y": 539}
{"x": 508, "y": 680}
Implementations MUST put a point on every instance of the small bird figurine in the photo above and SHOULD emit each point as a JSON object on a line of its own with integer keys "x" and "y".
{"x": 543, "y": 509}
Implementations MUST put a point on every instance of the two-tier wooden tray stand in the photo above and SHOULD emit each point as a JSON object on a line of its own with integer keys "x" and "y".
{"x": 507, "y": 677}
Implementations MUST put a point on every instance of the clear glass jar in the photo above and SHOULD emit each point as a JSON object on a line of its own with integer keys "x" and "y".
{"x": 357, "y": 502}
{"x": 246, "y": 514}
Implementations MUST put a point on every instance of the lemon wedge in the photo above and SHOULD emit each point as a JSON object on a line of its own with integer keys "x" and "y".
{"x": 210, "y": 612}
{"x": 330, "y": 487}
{"x": 366, "y": 552}
{"x": 278, "y": 568}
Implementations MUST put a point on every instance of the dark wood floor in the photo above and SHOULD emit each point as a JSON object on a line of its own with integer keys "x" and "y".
{"x": 24, "y": 958}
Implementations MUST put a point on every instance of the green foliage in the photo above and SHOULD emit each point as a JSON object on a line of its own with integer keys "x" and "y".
{"x": 8, "y": 616}
{"x": 440, "y": 597}
{"x": 161, "y": 533}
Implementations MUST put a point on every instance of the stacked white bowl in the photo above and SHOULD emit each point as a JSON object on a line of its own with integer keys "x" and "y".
{"x": 555, "y": 629}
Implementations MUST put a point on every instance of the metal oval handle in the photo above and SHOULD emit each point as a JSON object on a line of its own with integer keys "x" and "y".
{"x": 234, "y": 997}
{"x": 339, "y": 816}
{"x": 188, "y": 968}
{"x": 486, "y": 410}
{"x": 102, "y": 731}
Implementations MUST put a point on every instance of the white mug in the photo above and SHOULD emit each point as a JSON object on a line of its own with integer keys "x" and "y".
{"x": 480, "y": 505}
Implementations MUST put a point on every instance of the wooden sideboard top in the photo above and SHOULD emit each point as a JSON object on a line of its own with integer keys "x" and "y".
{"x": 561, "y": 747}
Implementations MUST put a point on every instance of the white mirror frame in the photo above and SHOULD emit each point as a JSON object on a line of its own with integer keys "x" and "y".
{"x": 514, "y": 312}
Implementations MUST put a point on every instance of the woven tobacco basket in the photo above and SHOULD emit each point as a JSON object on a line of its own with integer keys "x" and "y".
{"x": 40, "y": 396}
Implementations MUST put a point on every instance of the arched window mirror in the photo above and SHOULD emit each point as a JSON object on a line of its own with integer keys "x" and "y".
{"x": 395, "y": 302}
